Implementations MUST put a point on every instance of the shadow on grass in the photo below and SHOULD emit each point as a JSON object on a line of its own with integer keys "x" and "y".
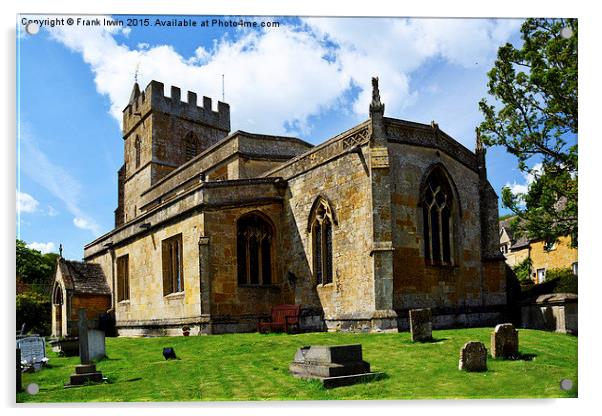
{"x": 430, "y": 341}
{"x": 132, "y": 379}
{"x": 519, "y": 357}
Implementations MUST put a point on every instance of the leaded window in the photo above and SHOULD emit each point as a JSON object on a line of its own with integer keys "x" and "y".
{"x": 173, "y": 277}
{"x": 254, "y": 250}
{"x": 123, "y": 278}
{"x": 437, "y": 202}
{"x": 321, "y": 231}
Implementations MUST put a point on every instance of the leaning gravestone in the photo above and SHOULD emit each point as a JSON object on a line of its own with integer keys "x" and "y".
{"x": 504, "y": 341}
{"x": 33, "y": 351}
{"x": 473, "y": 357}
{"x": 334, "y": 366}
{"x": 421, "y": 326}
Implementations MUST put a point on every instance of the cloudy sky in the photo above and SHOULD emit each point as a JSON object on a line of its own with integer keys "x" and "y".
{"x": 308, "y": 78}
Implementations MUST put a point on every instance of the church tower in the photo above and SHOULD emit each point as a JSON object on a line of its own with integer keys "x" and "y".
{"x": 160, "y": 134}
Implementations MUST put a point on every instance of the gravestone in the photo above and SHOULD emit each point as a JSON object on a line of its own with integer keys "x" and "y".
{"x": 421, "y": 326}
{"x": 18, "y": 371}
{"x": 504, "y": 341}
{"x": 473, "y": 357}
{"x": 82, "y": 328}
{"x": 33, "y": 351}
{"x": 89, "y": 345}
{"x": 334, "y": 366}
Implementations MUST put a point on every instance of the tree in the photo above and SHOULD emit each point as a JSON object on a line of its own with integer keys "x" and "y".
{"x": 536, "y": 86}
{"x": 34, "y": 310}
{"x": 34, "y": 267}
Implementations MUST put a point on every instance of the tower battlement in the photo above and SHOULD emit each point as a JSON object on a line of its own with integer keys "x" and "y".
{"x": 153, "y": 98}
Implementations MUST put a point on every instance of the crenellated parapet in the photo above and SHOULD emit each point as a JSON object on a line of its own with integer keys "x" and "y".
{"x": 153, "y": 97}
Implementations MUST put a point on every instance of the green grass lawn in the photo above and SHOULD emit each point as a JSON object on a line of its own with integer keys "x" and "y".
{"x": 255, "y": 367}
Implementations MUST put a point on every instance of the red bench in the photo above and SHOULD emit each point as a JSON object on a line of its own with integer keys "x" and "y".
{"x": 284, "y": 318}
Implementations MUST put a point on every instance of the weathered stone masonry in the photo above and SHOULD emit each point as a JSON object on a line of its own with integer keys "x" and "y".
{"x": 187, "y": 178}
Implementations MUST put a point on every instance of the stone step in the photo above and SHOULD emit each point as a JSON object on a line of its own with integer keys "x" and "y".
{"x": 328, "y": 370}
{"x": 85, "y": 368}
{"x": 332, "y": 382}
{"x": 79, "y": 379}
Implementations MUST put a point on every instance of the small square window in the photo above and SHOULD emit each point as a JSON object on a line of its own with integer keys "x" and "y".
{"x": 541, "y": 275}
{"x": 549, "y": 245}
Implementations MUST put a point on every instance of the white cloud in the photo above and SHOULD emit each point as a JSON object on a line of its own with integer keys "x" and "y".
{"x": 280, "y": 78}
{"x": 53, "y": 177}
{"x": 529, "y": 177}
{"x": 26, "y": 203}
{"x": 86, "y": 224}
{"x": 42, "y": 247}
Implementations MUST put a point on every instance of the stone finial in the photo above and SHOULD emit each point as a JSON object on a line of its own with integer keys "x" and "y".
{"x": 473, "y": 357}
{"x": 376, "y": 105}
{"x": 479, "y": 144}
{"x": 61, "y": 250}
{"x": 434, "y": 125}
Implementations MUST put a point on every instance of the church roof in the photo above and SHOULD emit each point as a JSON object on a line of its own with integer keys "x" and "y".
{"x": 84, "y": 278}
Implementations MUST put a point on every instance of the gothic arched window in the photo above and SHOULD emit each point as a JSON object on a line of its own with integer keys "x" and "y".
{"x": 437, "y": 207}
{"x": 190, "y": 146}
{"x": 57, "y": 295}
{"x": 137, "y": 150}
{"x": 321, "y": 222}
{"x": 254, "y": 250}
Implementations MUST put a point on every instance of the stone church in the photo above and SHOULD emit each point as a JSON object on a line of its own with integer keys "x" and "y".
{"x": 213, "y": 228}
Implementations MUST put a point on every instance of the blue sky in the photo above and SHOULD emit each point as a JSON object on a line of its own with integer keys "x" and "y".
{"x": 309, "y": 78}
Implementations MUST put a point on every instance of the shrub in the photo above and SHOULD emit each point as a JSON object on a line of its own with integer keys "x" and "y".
{"x": 33, "y": 310}
{"x": 564, "y": 279}
{"x": 557, "y": 281}
{"x": 523, "y": 270}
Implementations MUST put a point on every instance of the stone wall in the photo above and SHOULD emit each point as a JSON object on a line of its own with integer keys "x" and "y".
{"x": 161, "y": 124}
{"x": 231, "y": 152}
{"x": 561, "y": 255}
{"x": 237, "y": 307}
{"x": 416, "y": 283}
{"x": 147, "y": 306}
{"x": 345, "y": 183}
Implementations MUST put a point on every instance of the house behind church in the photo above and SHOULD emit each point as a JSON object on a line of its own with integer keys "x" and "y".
{"x": 213, "y": 228}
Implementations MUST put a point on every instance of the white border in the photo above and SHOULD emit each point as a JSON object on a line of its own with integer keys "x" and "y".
{"x": 589, "y": 63}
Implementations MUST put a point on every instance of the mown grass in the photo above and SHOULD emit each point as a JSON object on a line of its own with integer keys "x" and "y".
{"x": 255, "y": 367}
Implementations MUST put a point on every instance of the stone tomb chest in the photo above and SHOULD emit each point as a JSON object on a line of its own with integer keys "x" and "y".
{"x": 334, "y": 366}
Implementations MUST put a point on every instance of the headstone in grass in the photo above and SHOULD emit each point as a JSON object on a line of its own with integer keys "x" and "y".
{"x": 33, "y": 352}
{"x": 473, "y": 357}
{"x": 90, "y": 342}
{"x": 334, "y": 366}
{"x": 504, "y": 342}
{"x": 421, "y": 326}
